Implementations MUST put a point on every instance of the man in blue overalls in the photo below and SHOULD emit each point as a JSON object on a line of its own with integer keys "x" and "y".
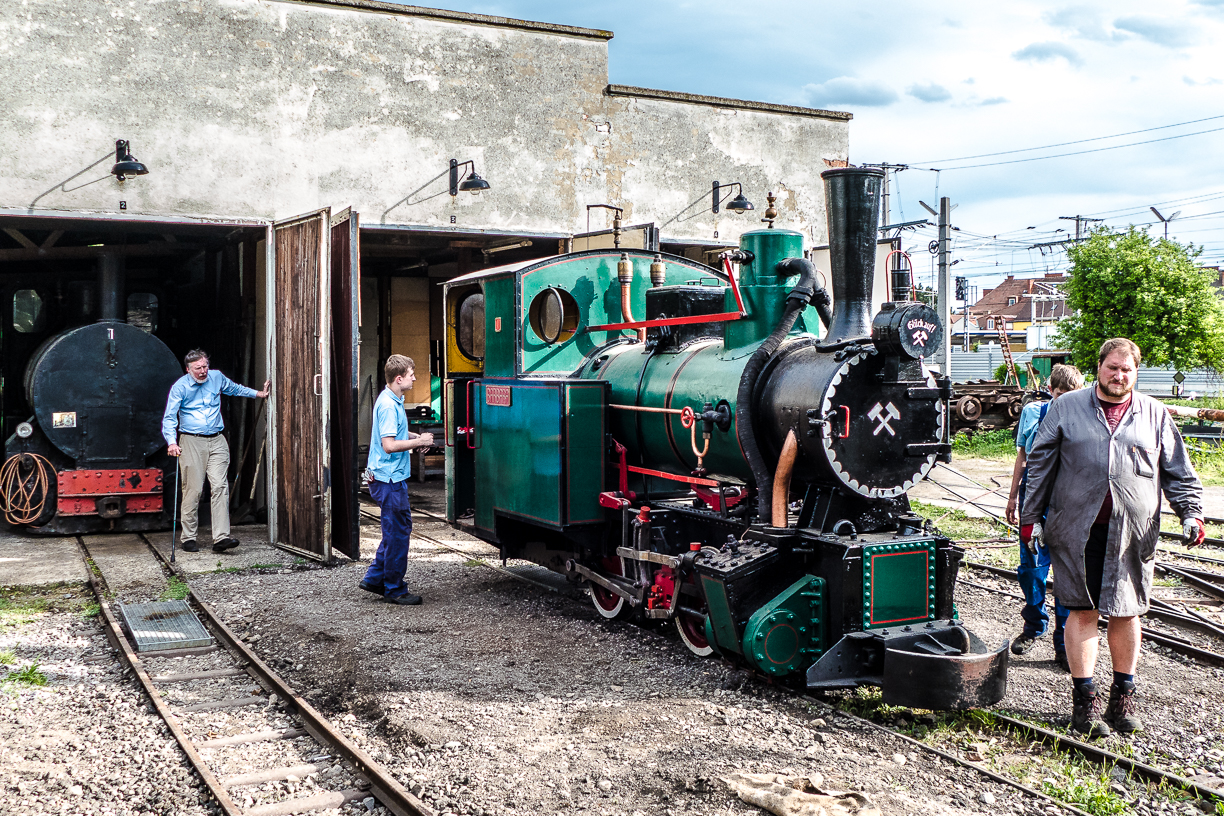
{"x": 1035, "y": 559}
{"x": 390, "y": 465}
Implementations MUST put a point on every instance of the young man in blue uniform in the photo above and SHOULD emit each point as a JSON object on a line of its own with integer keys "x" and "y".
{"x": 1034, "y": 565}
{"x": 390, "y": 465}
{"x": 192, "y": 429}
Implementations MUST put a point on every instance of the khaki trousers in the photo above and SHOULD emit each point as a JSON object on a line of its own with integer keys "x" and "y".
{"x": 205, "y": 457}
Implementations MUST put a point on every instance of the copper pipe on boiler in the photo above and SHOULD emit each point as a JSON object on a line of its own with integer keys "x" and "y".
{"x": 624, "y": 273}
{"x": 782, "y": 478}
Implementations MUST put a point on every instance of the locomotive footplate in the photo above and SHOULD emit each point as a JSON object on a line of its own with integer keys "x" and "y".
{"x": 937, "y": 665}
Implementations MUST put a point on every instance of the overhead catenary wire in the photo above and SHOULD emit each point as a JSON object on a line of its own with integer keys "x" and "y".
{"x": 1077, "y": 141}
{"x": 1072, "y": 153}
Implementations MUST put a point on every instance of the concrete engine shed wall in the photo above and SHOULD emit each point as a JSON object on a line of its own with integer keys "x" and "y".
{"x": 262, "y": 109}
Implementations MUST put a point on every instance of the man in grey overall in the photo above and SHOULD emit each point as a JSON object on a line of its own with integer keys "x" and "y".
{"x": 1101, "y": 459}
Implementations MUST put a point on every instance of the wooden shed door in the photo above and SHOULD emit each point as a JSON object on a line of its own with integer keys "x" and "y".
{"x": 345, "y": 348}
{"x": 299, "y": 336}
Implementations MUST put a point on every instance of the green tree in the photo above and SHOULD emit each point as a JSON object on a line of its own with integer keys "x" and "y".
{"x": 1129, "y": 284}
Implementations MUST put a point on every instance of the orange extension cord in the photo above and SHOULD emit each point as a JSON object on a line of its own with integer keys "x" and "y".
{"x": 25, "y": 480}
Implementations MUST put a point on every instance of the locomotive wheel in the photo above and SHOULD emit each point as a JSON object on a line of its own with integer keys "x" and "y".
{"x": 969, "y": 408}
{"x": 607, "y": 603}
{"x": 1014, "y": 409}
{"x": 692, "y": 632}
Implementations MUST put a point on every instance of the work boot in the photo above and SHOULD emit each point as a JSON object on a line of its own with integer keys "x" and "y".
{"x": 1060, "y": 659}
{"x": 189, "y": 545}
{"x": 1123, "y": 710}
{"x": 224, "y": 544}
{"x": 1023, "y": 642}
{"x": 1086, "y": 713}
{"x": 407, "y": 599}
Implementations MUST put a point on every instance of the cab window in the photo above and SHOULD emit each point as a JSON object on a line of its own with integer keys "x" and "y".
{"x": 28, "y": 312}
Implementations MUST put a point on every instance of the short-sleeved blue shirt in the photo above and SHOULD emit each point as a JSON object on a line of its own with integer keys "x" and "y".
{"x": 1026, "y": 433}
{"x": 389, "y": 420}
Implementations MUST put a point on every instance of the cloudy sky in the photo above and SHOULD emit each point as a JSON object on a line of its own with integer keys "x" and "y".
{"x": 933, "y": 85}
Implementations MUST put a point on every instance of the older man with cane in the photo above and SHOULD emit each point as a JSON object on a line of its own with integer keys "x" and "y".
{"x": 1101, "y": 459}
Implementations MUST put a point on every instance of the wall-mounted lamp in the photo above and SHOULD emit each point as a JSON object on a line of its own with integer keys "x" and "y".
{"x": 473, "y": 184}
{"x": 738, "y": 205}
{"x": 126, "y": 165}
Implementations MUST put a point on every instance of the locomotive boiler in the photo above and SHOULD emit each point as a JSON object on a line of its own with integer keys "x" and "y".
{"x": 734, "y": 461}
{"x": 92, "y": 458}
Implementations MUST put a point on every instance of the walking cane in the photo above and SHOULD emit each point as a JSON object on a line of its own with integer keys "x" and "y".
{"x": 174, "y": 512}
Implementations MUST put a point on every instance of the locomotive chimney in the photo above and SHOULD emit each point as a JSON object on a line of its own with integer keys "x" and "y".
{"x": 111, "y": 273}
{"x": 852, "y": 196}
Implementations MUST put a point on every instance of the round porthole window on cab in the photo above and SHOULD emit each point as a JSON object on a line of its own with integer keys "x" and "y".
{"x": 554, "y": 315}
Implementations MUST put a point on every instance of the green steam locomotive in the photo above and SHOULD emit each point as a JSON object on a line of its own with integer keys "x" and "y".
{"x": 734, "y": 462}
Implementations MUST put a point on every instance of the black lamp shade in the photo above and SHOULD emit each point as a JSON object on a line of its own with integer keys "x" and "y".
{"x": 474, "y": 184}
{"x": 740, "y": 204}
{"x": 125, "y": 163}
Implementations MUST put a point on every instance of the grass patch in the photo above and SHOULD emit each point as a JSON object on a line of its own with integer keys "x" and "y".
{"x": 1167, "y": 581}
{"x": 8, "y": 657}
{"x": 1086, "y": 786}
{"x": 957, "y": 524}
{"x": 27, "y": 675}
{"x": 176, "y": 590}
{"x": 998, "y": 444}
{"x": 15, "y": 611}
{"x": 473, "y": 562}
{"x": 91, "y": 610}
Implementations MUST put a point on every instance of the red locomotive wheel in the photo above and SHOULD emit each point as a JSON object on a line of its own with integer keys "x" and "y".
{"x": 607, "y": 603}
{"x": 692, "y": 632}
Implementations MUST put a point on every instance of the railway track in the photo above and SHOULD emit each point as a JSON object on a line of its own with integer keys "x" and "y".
{"x": 1093, "y": 752}
{"x": 193, "y": 689}
{"x": 1166, "y": 613}
{"x": 959, "y": 492}
{"x": 1003, "y": 724}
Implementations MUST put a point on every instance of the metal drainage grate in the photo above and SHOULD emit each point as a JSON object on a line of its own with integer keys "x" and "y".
{"x": 164, "y": 625}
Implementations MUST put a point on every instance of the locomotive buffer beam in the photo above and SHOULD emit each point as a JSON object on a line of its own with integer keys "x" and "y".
{"x": 940, "y": 665}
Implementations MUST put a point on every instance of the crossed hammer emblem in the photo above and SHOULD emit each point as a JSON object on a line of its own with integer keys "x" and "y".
{"x": 878, "y": 414}
{"x": 920, "y": 338}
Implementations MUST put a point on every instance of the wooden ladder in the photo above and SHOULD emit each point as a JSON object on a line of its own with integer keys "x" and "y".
{"x": 1001, "y": 327}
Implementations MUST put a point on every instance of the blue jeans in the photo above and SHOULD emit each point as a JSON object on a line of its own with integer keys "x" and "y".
{"x": 391, "y": 560}
{"x": 1032, "y": 573}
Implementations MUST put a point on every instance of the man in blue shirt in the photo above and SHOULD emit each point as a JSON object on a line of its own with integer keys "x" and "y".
{"x": 1034, "y": 565}
{"x": 192, "y": 429}
{"x": 390, "y": 465}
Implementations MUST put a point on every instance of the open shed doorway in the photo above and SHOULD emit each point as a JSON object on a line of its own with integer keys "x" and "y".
{"x": 189, "y": 284}
{"x": 402, "y": 272}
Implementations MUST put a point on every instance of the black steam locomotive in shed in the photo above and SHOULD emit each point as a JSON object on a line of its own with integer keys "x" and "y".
{"x": 95, "y": 321}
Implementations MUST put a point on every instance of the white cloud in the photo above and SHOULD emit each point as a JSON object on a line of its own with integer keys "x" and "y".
{"x": 1082, "y": 21}
{"x": 929, "y": 92}
{"x": 1156, "y": 30}
{"x": 850, "y": 91}
{"x": 1047, "y": 52}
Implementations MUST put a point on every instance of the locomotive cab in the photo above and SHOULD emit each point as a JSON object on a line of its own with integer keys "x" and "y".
{"x": 727, "y": 454}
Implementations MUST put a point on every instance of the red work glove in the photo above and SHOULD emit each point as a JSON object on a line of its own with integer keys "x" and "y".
{"x": 1026, "y": 532}
{"x": 1194, "y": 531}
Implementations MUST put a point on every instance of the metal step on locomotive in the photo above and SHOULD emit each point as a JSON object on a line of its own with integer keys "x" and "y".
{"x": 735, "y": 463}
